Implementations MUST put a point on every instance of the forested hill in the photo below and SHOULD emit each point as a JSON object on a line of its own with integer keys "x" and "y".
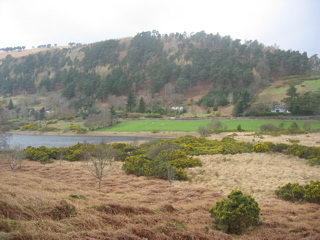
{"x": 151, "y": 63}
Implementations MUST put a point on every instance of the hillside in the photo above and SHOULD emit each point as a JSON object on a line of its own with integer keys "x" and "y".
{"x": 26, "y": 52}
{"x": 164, "y": 70}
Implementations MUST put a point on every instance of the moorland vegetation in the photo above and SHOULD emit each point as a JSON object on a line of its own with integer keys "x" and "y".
{"x": 71, "y": 198}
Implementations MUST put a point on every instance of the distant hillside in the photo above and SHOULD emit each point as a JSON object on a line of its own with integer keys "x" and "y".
{"x": 216, "y": 71}
{"x": 22, "y": 53}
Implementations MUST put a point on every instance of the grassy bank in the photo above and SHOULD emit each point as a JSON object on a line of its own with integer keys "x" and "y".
{"x": 191, "y": 126}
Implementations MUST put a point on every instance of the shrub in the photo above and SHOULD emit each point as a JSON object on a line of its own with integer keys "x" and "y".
{"x": 66, "y": 118}
{"x": 41, "y": 154}
{"x": 304, "y": 151}
{"x": 290, "y": 192}
{"x": 153, "y": 115}
{"x": 215, "y": 125}
{"x": 31, "y": 127}
{"x": 204, "y": 131}
{"x": 186, "y": 162}
{"x": 138, "y": 165}
{"x": 295, "y": 192}
{"x": 236, "y": 214}
{"x": 76, "y": 196}
{"x": 121, "y": 156}
{"x": 314, "y": 161}
{"x": 293, "y": 128}
{"x": 78, "y": 129}
{"x": 312, "y": 192}
{"x": 279, "y": 147}
{"x": 261, "y": 147}
{"x": 269, "y": 127}
{"x": 51, "y": 122}
{"x": 155, "y": 150}
{"x": 180, "y": 174}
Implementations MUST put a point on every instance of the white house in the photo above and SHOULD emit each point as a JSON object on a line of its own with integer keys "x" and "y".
{"x": 279, "y": 108}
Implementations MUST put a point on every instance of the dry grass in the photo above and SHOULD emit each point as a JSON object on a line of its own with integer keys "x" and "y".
{"x": 130, "y": 207}
{"x": 310, "y": 139}
{"x": 17, "y": 54}
{"x": 258, "y": 174}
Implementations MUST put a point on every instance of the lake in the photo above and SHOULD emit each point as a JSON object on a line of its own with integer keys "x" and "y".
{"x": 65, "y": 141}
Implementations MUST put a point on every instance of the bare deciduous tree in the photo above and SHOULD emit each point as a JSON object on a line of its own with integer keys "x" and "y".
{"x": 95, "y": 121}
{"x": 14, "y": 156}
{"x": 4, "y": 140}
{"x": 99, "y": 160}
{"x": 171, "y": 175}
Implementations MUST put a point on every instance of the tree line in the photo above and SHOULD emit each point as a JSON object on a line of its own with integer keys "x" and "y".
{"x": 9, "y": 49}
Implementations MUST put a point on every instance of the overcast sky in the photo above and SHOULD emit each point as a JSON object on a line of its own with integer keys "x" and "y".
{"x": 291, "y": 24}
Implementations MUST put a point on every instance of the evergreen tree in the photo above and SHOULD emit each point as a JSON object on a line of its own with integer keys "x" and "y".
{"x": 291, "y": 100}
{"x": 142, "y": 105}
{"x": 10, "y": 106}
{"x": 42, "y": 113}
{"x": 131, "y": 101}
{"x": 113, "y": 115}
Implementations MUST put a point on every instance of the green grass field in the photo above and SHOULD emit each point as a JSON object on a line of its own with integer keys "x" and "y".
{"x": 278, "y": 93}
{"x": 191, "y": 126}
{"x": 315, "y": 84}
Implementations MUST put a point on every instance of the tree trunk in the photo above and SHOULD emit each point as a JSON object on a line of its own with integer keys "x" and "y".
{"x": 99, "y": 185}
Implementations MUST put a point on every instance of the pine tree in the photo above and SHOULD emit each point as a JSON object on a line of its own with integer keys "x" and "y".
{"x": 131, "y": 101}
{"x": 142, "y": 105}
{"x": 10, "y": 106}
{"x": 42, "y": 113}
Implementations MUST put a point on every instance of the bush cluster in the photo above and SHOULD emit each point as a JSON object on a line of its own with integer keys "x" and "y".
{"x": 236, "y": 214}
{"x": 261, "y": 147}
{"x": 143, "y": 165}
{"x": 78, "y": 129}
{"x": 269, "y": 127}
{"x": 124, "y": 150}
{"x": 295, "y": 192}
{"x": 37, "y": 127}
{"x": 51, "y": 122}
{"x": 44, "y": 154}
{"x": 73, "y": 153}
{"x": 310, "y": 153}
{"x": 41, "y": 154}
{"x": 153, "y": 115}
{"x": 202, "y": 146}
{"x": 31, "y": 127}
{"x": 66, "y": 118}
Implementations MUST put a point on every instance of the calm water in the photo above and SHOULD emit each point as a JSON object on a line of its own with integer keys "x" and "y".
{"x": 58, "y": 141}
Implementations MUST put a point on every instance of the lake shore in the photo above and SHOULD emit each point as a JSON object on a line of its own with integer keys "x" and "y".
{"x": 164, "y": 134}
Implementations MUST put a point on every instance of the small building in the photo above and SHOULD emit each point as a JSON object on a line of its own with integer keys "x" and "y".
{"x": 280, "y": 108}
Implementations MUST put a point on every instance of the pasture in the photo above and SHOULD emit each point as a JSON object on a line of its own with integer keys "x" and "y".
{"x": 277, "y": 91}
{"x": 193, "y": 125}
